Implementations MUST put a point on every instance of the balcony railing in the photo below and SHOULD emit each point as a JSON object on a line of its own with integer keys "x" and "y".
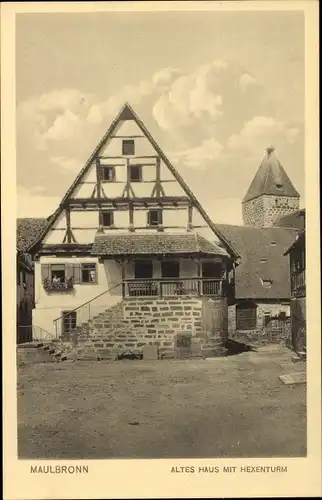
{"x": 298, "y": 284}
{"x": 58, "y": 286}
{"x": 167, "y": 287}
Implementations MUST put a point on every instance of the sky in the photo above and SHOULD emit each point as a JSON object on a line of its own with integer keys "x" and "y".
{"x": 215, "y": 89}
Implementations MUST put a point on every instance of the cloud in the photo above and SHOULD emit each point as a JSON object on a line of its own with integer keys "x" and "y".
{"x": 201, "y": 95}
{"x": 216, "y": 118}
{"x": 199, "y": 157}
{"x": 69, "y": 164}
{"x": 260, "y": 132}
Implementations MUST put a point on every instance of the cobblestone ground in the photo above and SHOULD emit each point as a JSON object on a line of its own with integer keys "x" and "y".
{"x": 225, "y": 407}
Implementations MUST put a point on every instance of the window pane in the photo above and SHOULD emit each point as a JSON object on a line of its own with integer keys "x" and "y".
{"x": 108, "y": 219}
{"x": 154, "y": 217}
{"x": 143, "y": 269}
{"x": 108, "y": 173}
{"x": 135, "y": 173}
{"x": 88, "y": 273}
{"x": 170, "y": 269}
{"x": 128, "y": 147}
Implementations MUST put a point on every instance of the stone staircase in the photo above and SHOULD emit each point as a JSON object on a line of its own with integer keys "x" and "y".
{"x": 40, "y": 352}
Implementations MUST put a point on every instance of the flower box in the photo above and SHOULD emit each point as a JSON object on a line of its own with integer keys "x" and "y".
{"x": 58, "y": 286}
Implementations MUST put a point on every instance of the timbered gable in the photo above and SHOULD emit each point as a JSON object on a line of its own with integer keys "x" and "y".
{"x": 127, "y": 185}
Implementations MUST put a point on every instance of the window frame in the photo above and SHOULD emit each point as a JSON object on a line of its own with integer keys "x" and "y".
{"x": 51, "y": 272}
{"x": 94, "y": 266}
{"x": 170, "y": 263}
{"x": 160, "y": 217}
{"x": 131, "y": 169}
{"x": 105, "y": 168}
{"x": 111, "y": 214}
{"x": 126, "y": 143}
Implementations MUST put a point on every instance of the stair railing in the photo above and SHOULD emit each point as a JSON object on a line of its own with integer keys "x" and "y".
{"x": 76, "y": 317}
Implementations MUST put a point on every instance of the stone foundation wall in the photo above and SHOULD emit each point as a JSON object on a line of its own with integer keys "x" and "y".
{"x": 134, "y": 323}
{"x": 260, "y": 335}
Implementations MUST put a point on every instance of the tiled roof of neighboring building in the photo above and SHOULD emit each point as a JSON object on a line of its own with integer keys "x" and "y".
{"x": 262, "y": 259}
{"x": 299, "y": 242}
{"x": 28, "y": 230}
{"x": 295, "y": 220}
{"x": 270, "y": 179}
{"x": 161, "y": 243}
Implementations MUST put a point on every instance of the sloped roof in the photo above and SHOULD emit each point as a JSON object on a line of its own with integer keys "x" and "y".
{"x": 130, "y": 244}
{"x": 127, "y": 113}
{"x": 270, "y": 179}
{"x": 295, "y": 220}
{"x": 28, "y": 231}
{"x": 262, "y": 257}
{"x": 299, "y": 242}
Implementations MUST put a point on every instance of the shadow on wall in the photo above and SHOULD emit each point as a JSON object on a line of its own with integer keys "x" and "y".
{"x": 113, "y": 276}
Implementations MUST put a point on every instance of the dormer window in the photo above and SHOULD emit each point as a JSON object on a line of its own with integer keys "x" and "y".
{"x": 128, "y": 147}
{"x": 279, "y": 185}
{"x": 267, "y": 283}
{"x": 108, "y": 174}
{"x": 135, "y": 173}
{"x": 273, "y": 243}
{"x": 154, "y": 218}
{"x": 263, "y": 261}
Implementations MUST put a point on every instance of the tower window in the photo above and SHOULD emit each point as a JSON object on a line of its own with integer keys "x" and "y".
{"x": 108, "y": 174}
{"x": 108, "y": 219}
{"x": 135, "y": 173}
{"x": 154, "y": 217}
{"x": 128, "y": 147}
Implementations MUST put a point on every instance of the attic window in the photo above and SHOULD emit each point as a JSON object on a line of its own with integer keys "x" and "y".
{"x": 136, "y": 173}
{"x": 128, "y": 147}
{"x": 108, "y": 174}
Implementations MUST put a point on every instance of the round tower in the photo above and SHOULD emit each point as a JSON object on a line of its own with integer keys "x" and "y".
{"x": 270, "y": 195}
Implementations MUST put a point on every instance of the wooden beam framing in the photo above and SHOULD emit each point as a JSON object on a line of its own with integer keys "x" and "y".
{"x": 98, "y": 178}
{"x": 190, "y": 210}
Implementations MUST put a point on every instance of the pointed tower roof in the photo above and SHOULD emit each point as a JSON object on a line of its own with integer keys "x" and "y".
{"x": 270, "y": 179}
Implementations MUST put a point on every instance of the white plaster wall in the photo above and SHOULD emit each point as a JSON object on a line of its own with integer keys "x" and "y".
{"x": 142, "y": 189}
{"x": 54, "y": 237}
{"x": 173, "y": 189}
{"x": 127, "y": 128}
{"x": 178, "y": 217}
{"x": 165, "y": 173}
{"x": 84, "y": 190}
{"x": 84, "y": 236}
{"x": 49, "y": 306}
{"x": 84, "y": 218}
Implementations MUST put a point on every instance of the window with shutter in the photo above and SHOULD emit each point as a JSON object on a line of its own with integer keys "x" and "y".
{"x": 45, "y": 272}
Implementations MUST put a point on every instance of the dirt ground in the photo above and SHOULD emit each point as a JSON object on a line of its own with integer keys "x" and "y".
{"x": 225, "y": 407}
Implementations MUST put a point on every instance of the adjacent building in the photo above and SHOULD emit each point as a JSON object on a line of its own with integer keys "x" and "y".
{"x": 297, "y": 260}
{"x": 259, "y": 304}
{"x": 28, "y": 230}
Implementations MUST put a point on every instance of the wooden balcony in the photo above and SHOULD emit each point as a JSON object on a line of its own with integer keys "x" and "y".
{"x": 169, "y": 287}
{"x": 298, "y": 284}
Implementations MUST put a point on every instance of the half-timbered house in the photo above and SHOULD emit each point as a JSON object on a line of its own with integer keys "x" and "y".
{"x": 130, "y": 241}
